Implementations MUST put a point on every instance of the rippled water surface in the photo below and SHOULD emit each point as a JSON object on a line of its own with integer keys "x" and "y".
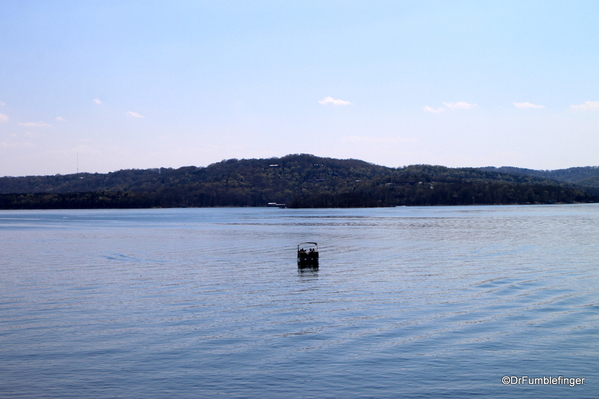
{"x": 407, "y": 302}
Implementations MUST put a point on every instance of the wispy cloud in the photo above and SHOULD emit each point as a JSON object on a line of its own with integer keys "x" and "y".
{"x": 331, "y": 100}
{"x": 460, "y": 105}
{"x": 61, "y": 119}
{"x": 3, "y": 118}
{"x": 433, "y": 110}
{"x": 135, "y": 114}
{"x": 587, "y": 106}
{"x": 4, "y": 144}
{"x": 34, "y": 124}
{"x": 2, "y": 103}
{"x": 97, "y": 101}
{"x": 528, "y": 105}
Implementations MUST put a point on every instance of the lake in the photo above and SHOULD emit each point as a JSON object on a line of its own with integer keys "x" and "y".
{"x": 415, "y": 302}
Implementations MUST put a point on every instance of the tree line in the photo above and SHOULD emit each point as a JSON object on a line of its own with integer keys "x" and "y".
{"x": 300, "y": 180}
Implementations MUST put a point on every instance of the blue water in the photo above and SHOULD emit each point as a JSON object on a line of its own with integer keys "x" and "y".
{"x": 437, "y": 302}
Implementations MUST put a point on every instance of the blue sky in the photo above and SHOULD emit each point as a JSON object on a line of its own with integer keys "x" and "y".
{"x": 109, "y": 85}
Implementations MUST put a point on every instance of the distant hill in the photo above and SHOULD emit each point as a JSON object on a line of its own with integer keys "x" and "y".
{"x": 300, "y": 180}
{"x": 583, "y": 176}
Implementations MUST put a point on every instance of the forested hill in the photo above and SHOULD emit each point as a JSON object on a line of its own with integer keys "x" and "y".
{"x": 583, "y": 176}
{"x": 295, "y": 180}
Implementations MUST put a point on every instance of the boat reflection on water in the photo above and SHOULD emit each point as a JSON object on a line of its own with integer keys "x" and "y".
{"x": 307, "y": 256}
{"x": 308, "y": 272}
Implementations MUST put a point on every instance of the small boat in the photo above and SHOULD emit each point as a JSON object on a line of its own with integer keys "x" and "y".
{"x": 307, "y": 254}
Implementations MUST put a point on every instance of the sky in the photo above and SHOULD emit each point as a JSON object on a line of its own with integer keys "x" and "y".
{"x": 99, "y": 86}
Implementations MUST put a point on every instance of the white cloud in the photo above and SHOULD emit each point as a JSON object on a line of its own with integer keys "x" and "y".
{"x": 3, "y": 118}
{"x": 61, "y": 119}
{"x": 135, "y": 114}
{"x": 587, "y": 106}
{"x": 2, "y": 103}
{"x": 528, "y": 105}
{"x": 34, "y": 124}
{"x": 97, "y": 101}
{"x": 432, "y": 110}
{"x": 459, "y": 105}
{"x": 331, "y": 100}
